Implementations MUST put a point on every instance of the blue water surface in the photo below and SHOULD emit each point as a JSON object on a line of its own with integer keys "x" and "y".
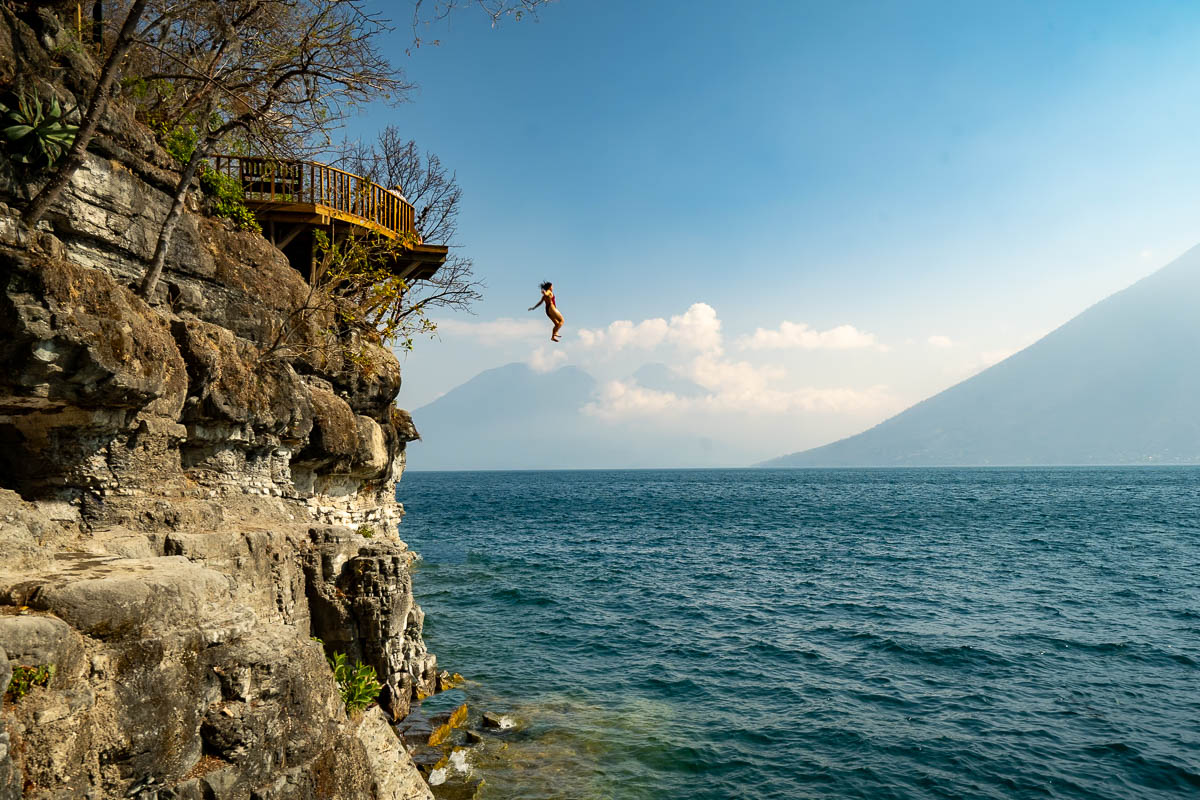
{"x": 956, "y": 633}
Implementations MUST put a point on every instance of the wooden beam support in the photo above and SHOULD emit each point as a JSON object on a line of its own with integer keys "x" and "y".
{"x": 292, "y": 234}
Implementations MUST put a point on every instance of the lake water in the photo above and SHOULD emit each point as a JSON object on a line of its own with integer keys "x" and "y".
{"x": 957, "y": 633}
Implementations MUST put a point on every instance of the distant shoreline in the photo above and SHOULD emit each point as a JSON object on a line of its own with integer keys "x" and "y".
{"x": 1182, "y": 465}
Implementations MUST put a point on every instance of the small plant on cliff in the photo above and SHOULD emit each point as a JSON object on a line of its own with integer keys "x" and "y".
{"x": 227, "y": 198}
{"x": 366, "y": 531}
{"x": 36, "y": 134}
{"x": 224, "y": 192}
{"x": 356, "y": 682}
{"x": 25, "y": 678}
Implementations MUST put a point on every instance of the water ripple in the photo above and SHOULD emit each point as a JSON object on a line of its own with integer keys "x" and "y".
{"x": 821, "y": 634}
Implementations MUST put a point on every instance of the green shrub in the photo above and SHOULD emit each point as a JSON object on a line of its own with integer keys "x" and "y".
{"x": 179, "y": 142}
{"x": 36, "y": 135}
{"x": 224, "y": 192}
{"x": 228, "y": 200}
{"x": 25, "y": 678}
{"x": 356, "y": 683}
{"x": 366, "y": 531}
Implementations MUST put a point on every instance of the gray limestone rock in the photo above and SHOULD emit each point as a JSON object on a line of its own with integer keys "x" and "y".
{"x": 36, "y": 640}
{"x": 361, "y": 603}
{"x": 178, "y": 497}
{"x": 397, "y": 778}
{"x": 120, "y": 597}
{"x": 10, "y": 777}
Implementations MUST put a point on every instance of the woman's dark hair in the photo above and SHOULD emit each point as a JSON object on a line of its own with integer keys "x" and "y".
{"x": 546, "y": 285}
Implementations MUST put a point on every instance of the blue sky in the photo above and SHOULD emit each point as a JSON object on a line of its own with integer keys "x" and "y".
{"x": 951, "y": 180}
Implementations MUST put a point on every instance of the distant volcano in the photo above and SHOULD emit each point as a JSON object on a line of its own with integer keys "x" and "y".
{"x": 513, "y": 417}
{"x": 1118, "y": 384}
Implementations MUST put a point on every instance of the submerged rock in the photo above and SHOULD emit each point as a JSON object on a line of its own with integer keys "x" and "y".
{"x": 415, "y": 729}
{"x": 495, "y": 722}
{"x": 426, "y": 757}
{"x": 457, "y": 788}
{"x": 445, "y": 722}
{"x": 447, "y": 681}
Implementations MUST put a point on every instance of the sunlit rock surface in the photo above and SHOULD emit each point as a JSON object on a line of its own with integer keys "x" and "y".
{"x": 184, "y": 505}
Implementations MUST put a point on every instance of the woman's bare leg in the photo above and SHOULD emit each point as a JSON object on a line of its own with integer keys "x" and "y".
{"x": 554, "y": 333}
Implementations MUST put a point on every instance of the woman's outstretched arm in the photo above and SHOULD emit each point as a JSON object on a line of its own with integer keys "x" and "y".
{"x": 538, "y": 303}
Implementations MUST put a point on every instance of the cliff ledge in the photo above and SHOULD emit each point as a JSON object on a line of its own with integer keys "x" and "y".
{"x": 182, "y": 507}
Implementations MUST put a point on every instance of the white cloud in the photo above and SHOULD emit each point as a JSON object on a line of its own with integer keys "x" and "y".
{"x": 717, "y": 374}
{"x": 697, "y": 329}
{"x": 646, "y": 335}
{"x": 838, "y": 400}
{"x": 940, "y": 341}
{"x": 545, "y": 359}
{"x": 799, "y": 336}
{"x": 731, "y": 387}
{"x": 496, "y": 331}
{"x": 621, "y": 400}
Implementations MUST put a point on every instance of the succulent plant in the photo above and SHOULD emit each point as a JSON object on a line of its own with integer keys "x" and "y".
{"x": 35, "y": 133}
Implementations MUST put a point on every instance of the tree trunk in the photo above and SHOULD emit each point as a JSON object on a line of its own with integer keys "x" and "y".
{"x": 96, "y": 107}
{"x": 167, "y": 232}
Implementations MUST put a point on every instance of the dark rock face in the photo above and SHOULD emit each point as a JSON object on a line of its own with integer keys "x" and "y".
{"x": 75, "y": 338}
{"x": 87, "y": 366}
{"x": 361, "y": 603}
{"x": 181, "y": 499}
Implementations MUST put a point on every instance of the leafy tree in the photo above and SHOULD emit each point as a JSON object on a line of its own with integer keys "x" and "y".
{"x": 354, "y": 301}
{"x": 353, "y": 297}
{"x": 334, "y": 44}
{"x": 276, "y": 77}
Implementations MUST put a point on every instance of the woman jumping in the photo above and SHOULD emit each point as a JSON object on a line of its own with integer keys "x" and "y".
{"x": 551, "y": 310}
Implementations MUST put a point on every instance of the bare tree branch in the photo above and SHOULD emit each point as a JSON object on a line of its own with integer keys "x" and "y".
{"x": 436, "y": 197}
{"x": 426, "y": 13}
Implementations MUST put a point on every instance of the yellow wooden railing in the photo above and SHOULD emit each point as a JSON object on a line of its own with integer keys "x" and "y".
{"x": 325, "y": 188}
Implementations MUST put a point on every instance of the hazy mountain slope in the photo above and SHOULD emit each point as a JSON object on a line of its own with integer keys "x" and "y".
{"x": 1117, "y": 384}
{"x": 512, "y": 417}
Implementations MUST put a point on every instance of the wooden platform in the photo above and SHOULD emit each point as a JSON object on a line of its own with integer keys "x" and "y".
{"x": 292, "y": 199}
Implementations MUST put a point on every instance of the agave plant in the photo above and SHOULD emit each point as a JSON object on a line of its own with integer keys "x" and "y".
{"x": 36, "y": 133}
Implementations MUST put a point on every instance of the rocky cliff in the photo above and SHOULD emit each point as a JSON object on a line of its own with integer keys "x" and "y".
{"x": 183, "y": 510}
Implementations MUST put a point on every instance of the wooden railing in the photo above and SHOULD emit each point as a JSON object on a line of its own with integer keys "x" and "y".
{"x": 280, "y": 183}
